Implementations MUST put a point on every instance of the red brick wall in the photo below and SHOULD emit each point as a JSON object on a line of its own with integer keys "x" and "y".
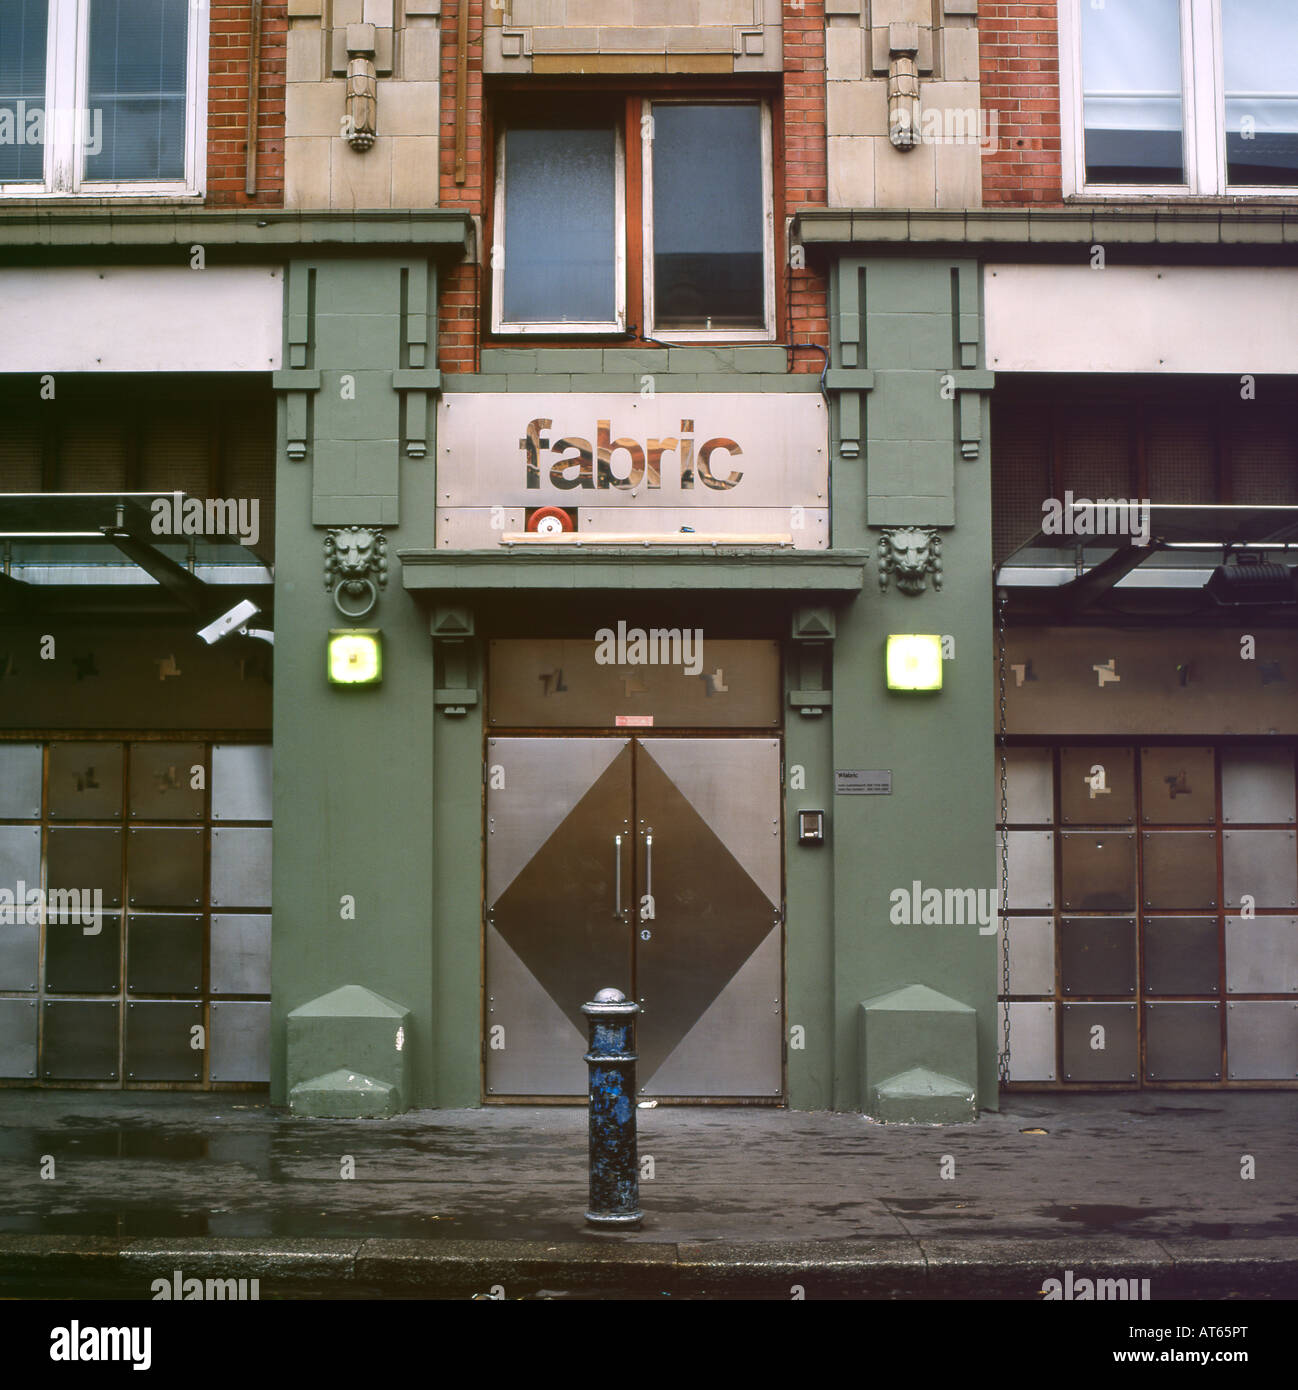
{"x": 800, "y": 141}
{"x": 1019, "y": 58}
{"x": 805, "y": 168}
{"x": 227, "y": 104}
{"x": 459, "y": 293}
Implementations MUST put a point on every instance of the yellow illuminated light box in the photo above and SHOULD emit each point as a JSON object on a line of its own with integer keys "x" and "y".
{"x": 355, "y": 656}
{"x": 914, "y": 662}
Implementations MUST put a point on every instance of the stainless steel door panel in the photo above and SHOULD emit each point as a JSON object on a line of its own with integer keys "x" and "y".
{"x": 710, "y": 875}
{"x": 241, "y": 864}
{"x": 240, "y": 953}
{"x": 559, "y": 895}
{"x": 1257, "y": 786}
{"x": 20, "y": 781}
{"x": 1032, "y": 954}
{"x": 1260, "y": 864}
{"x": 241, "y": 781}
{"x": 1262, "y": 955}
{"x": 1030, "y": 786}
{"x": 1032, "y": 1041}
{"x": 86, "y": 781}
{"x": 18, "y": 1020}
{"x": 240, "y": 1041}
{"x": 1262, "y": 1040}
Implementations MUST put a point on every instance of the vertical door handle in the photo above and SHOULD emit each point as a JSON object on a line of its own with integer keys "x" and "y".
{"x": 649, "y": 864}
{"x": 617, "y": 875}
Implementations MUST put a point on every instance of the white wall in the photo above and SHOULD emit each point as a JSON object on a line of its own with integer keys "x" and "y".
{"x": 141, "y": 319}
{"x": 1049, "y": 318}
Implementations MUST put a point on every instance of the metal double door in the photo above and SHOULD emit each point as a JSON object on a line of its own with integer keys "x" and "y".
{"x": 649, "y": 865}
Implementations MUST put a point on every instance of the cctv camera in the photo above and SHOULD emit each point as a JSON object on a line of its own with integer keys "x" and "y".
{"x": 229, "y": 622}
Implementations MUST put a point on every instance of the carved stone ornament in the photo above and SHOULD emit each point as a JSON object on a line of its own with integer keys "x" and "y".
{"x": 910, "y": 553}
{"x": 356, "y": 568}
{"x": 362, "y": 87}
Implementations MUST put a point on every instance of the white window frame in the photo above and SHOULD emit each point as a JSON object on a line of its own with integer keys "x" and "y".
{"x": 615, "y": 326}
{"x": 765, "y": 334}
{"x": 1203, "y": 84}
{"x": 67, "y": 75}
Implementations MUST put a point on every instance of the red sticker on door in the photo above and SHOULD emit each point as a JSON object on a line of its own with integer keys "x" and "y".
{"x": 633, "y": 721}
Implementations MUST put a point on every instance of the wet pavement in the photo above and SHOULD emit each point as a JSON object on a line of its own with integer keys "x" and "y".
{"x": 440, "y": 1199}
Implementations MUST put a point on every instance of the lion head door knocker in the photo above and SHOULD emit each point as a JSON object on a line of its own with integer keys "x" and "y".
{"x": 356, "y": 568}
{"x": 910, "y": 553}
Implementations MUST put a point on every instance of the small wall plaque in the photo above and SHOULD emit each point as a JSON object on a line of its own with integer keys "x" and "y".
{"x": 858, "y": 783}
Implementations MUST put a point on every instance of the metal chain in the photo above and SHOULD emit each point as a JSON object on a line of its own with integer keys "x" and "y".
{"x": 1004, "y": 1059}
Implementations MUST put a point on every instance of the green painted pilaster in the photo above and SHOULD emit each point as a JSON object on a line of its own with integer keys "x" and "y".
{"x": 925, "y": 464}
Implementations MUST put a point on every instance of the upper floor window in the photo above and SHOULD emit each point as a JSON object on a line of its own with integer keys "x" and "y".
{"x": 656, "y": 216}
{"x": 102, "y": 97}
{"x": 1179, "y": 96}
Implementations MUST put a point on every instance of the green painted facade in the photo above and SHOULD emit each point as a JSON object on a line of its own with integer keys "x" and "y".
{"x": 378, "y": 793}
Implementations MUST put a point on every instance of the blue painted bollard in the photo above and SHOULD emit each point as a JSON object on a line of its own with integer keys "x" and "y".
{"x": 614, "y": 1171}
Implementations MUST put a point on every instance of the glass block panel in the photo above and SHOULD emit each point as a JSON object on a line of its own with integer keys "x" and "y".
{"x": 1097, "y": 955}
{"x": 1262, "y": 1040}
{"x": 241, "y": 867}
{"x": 1030, "y": 786}
{"x": 79, "y": 1040}
{"x": 240, "y": 1042}
{"x": 161, "y": 774}
{"x": 20, "y": 763}
{"x": 1262, "y": 864}
{"x": 240, "y": 953}
{"x": 1177, "y": 786}
{"x": 1097, "y": 786}
{"x": 1032, "y": 868}
{"x": 166, "y": 868}
{"x": 85, "y": 860}
{"x": 20, "y": 947}
{"x": 164, "y": 954}
{"x": 1183, "y": 1042}
{"x": 80, "y": 964}
{"x": 1182, "y": 955}
{"x": 138, "y": 59}
{"x": 18, "y": 1022}
{"x": 1032, "y": 954}
{"x": 20, "y": 862}
{"x": 1257, "y": 786}
{"x": 1180, "y": 869}
{"x": 1099, "y": 872}
{"x": 1099, "y": 1042}
{"x": 241, "y": 781}
{"x": 1032, "y": 1041}
{"x": 1262, "y": 955}
{"x": 158, "y": 1042}
{"x": 86, "y": 781}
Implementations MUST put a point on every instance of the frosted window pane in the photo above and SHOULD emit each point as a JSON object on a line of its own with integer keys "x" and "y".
{"x": 559, "y": 226}
{"x": 708, "y": 217}
{"x": 136, "y": 89}
{"x": 23, "y": 26}
{"x": 1131, "y": 91}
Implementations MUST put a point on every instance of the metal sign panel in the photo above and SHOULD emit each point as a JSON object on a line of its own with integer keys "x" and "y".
{"x": 758, "y": 461}
{"x": 20, "y": 781}
{"x": 1102, "y": 681}
{"x": 560, "y": 683}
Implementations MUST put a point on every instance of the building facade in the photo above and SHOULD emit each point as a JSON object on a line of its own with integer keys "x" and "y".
{"x": 749, "y": 498}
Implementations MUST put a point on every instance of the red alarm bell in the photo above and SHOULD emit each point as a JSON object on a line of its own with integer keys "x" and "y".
{"x": 550, "y": 521}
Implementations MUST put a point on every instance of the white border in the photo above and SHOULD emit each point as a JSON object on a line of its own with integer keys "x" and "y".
{"x": 703, "y": 335}
{"x": 67, "y": 75}
{"x": 568, "y": 327}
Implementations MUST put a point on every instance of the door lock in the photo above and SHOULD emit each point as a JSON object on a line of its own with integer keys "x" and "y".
{"x": 645, "y": 934}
